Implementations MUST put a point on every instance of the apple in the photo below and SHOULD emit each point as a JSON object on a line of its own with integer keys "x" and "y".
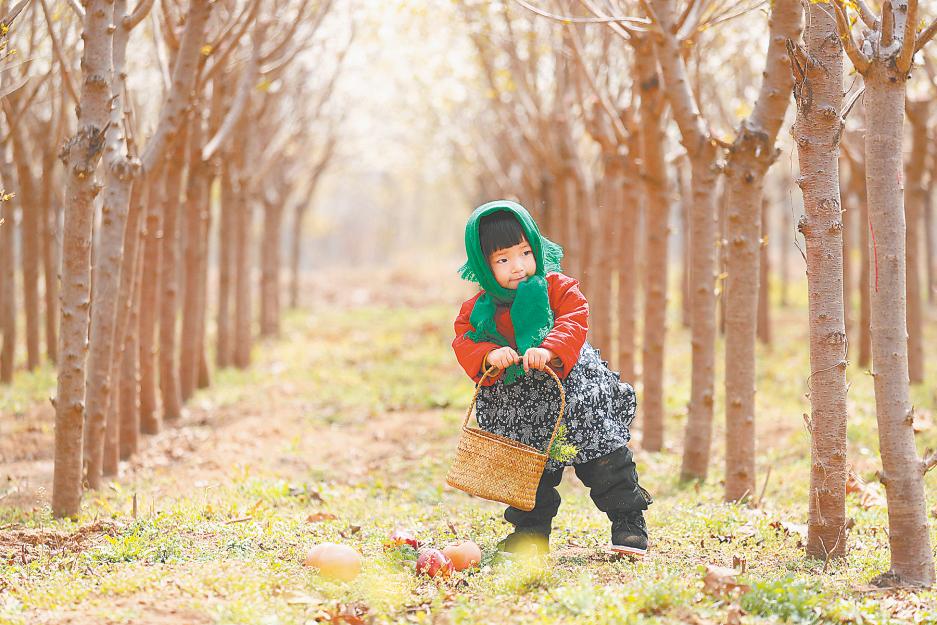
{"x": 433, "y": 562}
{"x": 464, "y": 554}
{"x": 400, "y": 537}
{"x": 334, "y": 561}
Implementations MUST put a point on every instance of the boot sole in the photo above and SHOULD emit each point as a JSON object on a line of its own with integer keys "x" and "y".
{"x": 631, "y": 552}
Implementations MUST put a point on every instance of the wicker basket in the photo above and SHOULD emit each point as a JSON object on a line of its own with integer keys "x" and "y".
{"x": 494, "y": 467}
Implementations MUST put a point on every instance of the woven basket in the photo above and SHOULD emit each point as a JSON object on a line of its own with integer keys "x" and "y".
{"x": 494, "y": 467}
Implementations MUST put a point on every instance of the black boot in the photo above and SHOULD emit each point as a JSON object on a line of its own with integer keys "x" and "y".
{"x": 532, "y": 528}
{"x": 613, "y": 483}
{"x": 629, "y": 534}
{"x": 527, "y": 541}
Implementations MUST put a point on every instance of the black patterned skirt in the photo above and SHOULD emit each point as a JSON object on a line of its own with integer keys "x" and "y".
{"x": 599, "y": 408}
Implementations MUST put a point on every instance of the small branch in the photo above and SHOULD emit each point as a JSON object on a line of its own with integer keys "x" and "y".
{"x": 906, "y": 55}
{"x": 867, "y": 14}
{"x": 139, "y": 12}
{"x": 926, "y": 35}
{"x": 571, "y": 19}
{"x": 620, "y": 131}
{"x": 888, "y": 25}
{"x": 929, "y": 461}
{"x": 57, "y": 51}
{"x": 14, "y": 12}
{"x": 852, "y": 102}
{"x": 76, "y": 7}
{"x": 859, "y": 60}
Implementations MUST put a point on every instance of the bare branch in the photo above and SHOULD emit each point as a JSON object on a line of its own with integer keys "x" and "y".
{"x": 906, "y": 55}
{"x": 60, "y": 57}
{"x": 929, "y": 461}
{"x": 926, "y": 35}
{"x": 218, "y": 61}
{"x": 867, "y": 14}
{"x": 14, "y": 12}
{"x": 690, "y": 7}
{"x": 617, "y": 28}
{"x": 138, "y": 14}
{"x": 620, "y": 132}
{"x": 859, "y": 60}
{"x": 76, "y": 7}
{"x": 247, "y": 83}
{"x": 888, "y": 25}
{"x": 624, "y": 21}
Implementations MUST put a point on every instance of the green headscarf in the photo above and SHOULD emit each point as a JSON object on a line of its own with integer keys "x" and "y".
{"x": 530, "y": 302}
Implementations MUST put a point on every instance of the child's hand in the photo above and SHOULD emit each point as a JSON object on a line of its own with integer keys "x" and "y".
{"x": 503, "y": 357}
{"x": 537, "y": 358}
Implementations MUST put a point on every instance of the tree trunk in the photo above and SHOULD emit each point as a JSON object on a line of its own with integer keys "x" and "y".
{"x": 270, "y": 269}
{"x": 819, "y": 89}
{"x": 764, "y": 288}
{"x": 150, "y": 421}
{"x": 243, "y": 311}
{"x": 627, "y": 276}
{"x": 658, "y": 204}
{"x": 686, "y": 208}
{"x": 169, "y": 285}
{"x": 698, "y": 430}
{"x": 847, "y": 265}
{"x": 194, "y": 209}
{"x": 296, "y": 237}
{"x": 911, "y": 556}
{"x": 81, "y": 155}
{"x": 29, "y": 243}
{"x": 918, "y": 113}
{"x": 930, "y": 241}
{"x": 7, "y": 270}
{"x": 50, "y": 248}
{"x": 109, "y": 255}
{"x": 224, "y": 356}
{"x": 857, "y": 183}
{"x": 608, "y": 195}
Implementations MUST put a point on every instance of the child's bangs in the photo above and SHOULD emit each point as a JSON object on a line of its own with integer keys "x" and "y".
{"x": 498, "y": 231}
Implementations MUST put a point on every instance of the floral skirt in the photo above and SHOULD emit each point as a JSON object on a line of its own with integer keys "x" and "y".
{"x": 599, "y": 408}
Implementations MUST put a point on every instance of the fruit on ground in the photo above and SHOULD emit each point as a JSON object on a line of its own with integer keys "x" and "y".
{"x": 334, "y": 561}
{"x": 433, "y": 562}
{"x": 400, "y": 537}
{"x": 464, "y": 554}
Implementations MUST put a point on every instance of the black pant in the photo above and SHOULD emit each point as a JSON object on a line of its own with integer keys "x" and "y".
{"x": 613, "y": 485}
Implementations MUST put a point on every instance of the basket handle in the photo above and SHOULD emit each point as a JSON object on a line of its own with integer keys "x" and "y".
{"x": 490, "y": 371}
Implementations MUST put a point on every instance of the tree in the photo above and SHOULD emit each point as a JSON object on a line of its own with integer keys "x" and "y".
{"x": 818, "y": 91}
{"x": 884, "y": 58}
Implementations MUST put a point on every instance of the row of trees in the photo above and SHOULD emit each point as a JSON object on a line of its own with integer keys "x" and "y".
{"x": 122, "y": 232}
{"x": 582, "y": 96}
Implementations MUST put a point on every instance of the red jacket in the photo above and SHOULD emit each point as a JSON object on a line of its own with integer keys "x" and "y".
{"x": 570, "y": 325}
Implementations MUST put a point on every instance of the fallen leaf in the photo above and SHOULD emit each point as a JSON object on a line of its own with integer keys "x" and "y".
{"x": 734, "y": 615}
{"x": 316, "y": 517}
{"x": 722, "y": 581}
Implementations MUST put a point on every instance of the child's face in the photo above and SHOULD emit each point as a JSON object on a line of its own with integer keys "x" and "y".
{"x": 512, "y": 265}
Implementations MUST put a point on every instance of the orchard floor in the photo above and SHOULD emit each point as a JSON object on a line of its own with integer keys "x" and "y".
{"x": 343, "y": 429}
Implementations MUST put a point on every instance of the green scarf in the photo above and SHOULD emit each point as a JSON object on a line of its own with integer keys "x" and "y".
{"x": 530, "y": 302}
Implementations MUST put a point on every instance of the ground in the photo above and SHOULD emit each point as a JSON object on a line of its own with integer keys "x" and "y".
{"x": 343, "y": 429}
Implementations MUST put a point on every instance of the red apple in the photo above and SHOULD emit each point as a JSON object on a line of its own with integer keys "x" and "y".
{"x": 400, "y": 537}
{"x": 334, "y": 561}
{"x": 464, "y": 554}
{"x": 433, "y": 562}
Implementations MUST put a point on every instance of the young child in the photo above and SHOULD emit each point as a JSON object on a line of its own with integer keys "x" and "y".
{"x": 529, "y": 316}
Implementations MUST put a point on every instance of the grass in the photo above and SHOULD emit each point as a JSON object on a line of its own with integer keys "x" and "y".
{"x": 230, "y": 550}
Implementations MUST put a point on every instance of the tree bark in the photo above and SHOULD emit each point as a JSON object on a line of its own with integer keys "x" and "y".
{"x": 7, "y": 270}
{"x": 224, "y": 356}
{"x": 109, "y": 255}
{"x": 50, "y": 248}
{"x": 270, "y": 269}
{"x": 911, "y": 556}
{"x": 194, "y": 210}
{"x": 819, "y": 93}
{"x": 81, "y": 157}
{"x": 930, "y": 241}
{"x": 918, "y": 113}
{"x": 627, "y": 277}
{"x": 656, "y": 188}
{"x": 243, "y": 210}
{"x": 150, "y": 421}
{"x": 169, "y": 284}
{"x": 27, "y": 198}
{"x": 751, "y": 155}
{"x": 764, "y": 287}
{"x": 857, "y": 185}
